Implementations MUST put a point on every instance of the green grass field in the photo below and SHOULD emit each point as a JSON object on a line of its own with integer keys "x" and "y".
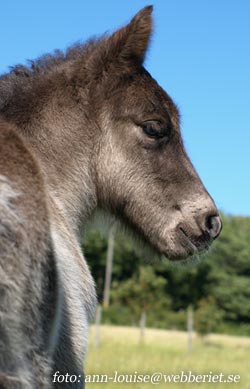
{"x": 166, "y": 352}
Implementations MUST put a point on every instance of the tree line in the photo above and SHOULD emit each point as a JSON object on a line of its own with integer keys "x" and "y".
{"x": 217, "y": 289}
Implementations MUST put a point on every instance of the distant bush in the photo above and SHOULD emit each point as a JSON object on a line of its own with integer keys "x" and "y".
{"x": 122, "y": 315}
{"x": 207, "y": 316}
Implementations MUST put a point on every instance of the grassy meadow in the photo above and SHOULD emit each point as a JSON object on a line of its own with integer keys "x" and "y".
{"x": 166, "y": 352}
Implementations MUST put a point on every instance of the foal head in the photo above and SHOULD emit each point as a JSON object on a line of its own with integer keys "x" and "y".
{"x": 143, "y": 174}
{"x": 96, "y": 117}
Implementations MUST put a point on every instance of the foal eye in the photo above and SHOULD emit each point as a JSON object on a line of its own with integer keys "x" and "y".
{"x": 150, "y": 130}
{"x": 154, "y": 129}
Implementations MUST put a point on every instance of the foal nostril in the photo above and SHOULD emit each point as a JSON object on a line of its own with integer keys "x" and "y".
{"x": 213, "y": 226}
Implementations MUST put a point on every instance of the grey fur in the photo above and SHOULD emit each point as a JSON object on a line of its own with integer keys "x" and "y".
{"x": 74, "y": 138}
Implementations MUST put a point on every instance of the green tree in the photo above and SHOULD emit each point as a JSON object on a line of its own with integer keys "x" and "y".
{"x": 143, "y": 292}
{"x": 222, "y": 274}
{"x": 207, "y": 316}
{"x": 228, "y": 275}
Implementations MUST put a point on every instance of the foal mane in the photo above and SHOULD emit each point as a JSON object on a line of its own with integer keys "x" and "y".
{"x": 48, "y": 62}
{"x": 27, "y": 87}
{"x": 20, "y": 79}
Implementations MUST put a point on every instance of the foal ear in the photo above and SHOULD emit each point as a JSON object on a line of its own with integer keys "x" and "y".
{"x": 131, "y": 41}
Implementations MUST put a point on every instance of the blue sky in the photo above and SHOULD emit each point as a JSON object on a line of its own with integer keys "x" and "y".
{"x": 200, "y": 53}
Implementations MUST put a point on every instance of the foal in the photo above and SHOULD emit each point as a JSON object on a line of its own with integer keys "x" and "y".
{"x": 79, "y": 131}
